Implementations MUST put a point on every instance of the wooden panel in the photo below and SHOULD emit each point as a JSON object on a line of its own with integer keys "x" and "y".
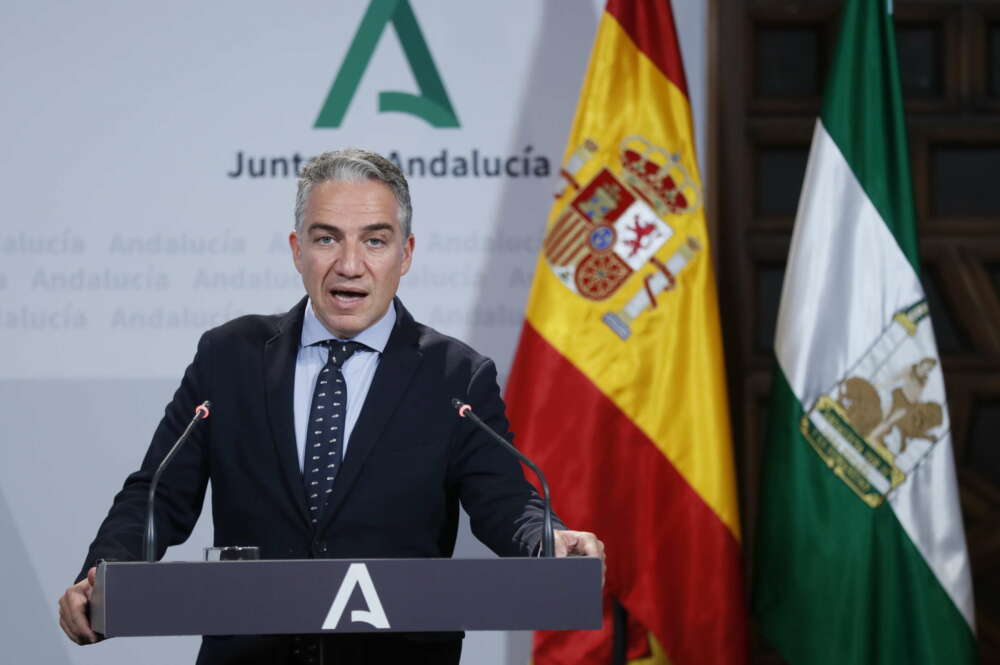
{"x": 786, "y": 54}
{"x": 951, "y": 338}
{"x": 932, "y": 137}
{"x": 964, "y": 180}
{"x": 778, "y": 150}
{"x": 768, "y": 280}
{"x": 795, "y": 51}
{"x": 779, "y": 171}
{"x": 928, "y": 45}
{"x": 984, "y": 453}
{"x": 920, "y": 47}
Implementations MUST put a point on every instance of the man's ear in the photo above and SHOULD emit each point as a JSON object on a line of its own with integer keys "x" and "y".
{"x": 407, "y": 254}
{"x": 293, "y": 242}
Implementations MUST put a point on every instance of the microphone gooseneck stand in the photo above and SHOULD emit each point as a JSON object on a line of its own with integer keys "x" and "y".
{"x": 149, "y": 547}
{"x": 548, "y": 534}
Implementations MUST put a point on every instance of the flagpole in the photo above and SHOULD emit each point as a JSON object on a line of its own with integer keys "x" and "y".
{"x": 619, "y": 622}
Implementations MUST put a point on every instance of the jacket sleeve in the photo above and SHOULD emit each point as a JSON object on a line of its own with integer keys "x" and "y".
{"x": 505, "y": 511}
{"x": 181, "y": 490}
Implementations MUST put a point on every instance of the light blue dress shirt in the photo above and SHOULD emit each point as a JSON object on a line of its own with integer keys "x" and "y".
{"x": 358, "y": 370}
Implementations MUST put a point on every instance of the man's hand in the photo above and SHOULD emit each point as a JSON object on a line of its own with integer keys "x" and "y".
{"x": 580, "y": 543}
{"x": 73, "y": 610}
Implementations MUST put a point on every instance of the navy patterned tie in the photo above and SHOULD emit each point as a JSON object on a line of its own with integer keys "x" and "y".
{"x": 325, "y": 434}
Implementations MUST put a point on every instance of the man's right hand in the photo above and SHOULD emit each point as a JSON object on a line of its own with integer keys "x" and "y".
{"x": 73, "y": 610}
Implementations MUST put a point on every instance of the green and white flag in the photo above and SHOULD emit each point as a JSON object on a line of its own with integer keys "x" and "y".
{"x": 860, "y": 554}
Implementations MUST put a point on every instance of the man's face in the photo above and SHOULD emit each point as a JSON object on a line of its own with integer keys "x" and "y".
{"x": 350, "y": 253}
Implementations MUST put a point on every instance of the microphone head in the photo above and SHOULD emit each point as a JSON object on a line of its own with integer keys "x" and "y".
{"x": 462, "y": 408}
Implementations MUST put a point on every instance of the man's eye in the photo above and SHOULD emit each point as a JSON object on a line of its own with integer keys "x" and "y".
{"x": 325, "y": 240}
{"x": 376, "y": 242}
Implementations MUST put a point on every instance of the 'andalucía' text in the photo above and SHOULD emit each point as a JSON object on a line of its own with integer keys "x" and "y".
{"x": 474, "y": 163}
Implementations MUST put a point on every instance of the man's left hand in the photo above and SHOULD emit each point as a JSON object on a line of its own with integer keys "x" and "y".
{"x": 580, "y": 543}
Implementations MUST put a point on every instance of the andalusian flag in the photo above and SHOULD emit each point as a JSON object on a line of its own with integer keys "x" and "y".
{"x": 618, "y": 387}
{"x": 861, "y": 553}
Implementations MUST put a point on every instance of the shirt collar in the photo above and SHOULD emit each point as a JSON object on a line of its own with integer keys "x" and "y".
{"x": 375, "y": 336}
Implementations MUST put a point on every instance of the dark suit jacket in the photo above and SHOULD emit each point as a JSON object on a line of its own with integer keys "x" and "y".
{"x": 409, "y": 462}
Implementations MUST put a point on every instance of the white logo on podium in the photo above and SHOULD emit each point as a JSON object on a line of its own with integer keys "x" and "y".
{"x": 357, "y": 576}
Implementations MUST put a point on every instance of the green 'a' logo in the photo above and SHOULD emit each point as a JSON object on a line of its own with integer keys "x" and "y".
{"x": 432, "y": 104}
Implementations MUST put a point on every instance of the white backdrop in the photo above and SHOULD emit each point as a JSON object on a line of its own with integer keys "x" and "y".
{"x": 127, "y": 232}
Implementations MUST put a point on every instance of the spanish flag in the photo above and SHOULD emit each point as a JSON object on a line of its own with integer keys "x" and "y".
{"x": 618, "y": 387}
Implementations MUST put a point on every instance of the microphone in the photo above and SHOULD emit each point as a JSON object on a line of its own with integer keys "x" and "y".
{"x": 548, "y": 535}
{"x": 201, "y": 412}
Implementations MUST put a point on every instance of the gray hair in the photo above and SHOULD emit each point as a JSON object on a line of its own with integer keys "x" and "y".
{"x": 354, "y": 165}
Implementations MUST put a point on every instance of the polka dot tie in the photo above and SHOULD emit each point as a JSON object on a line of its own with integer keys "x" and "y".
{"x": 325, "y": 435}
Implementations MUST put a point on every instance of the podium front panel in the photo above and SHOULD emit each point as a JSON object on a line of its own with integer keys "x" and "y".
{"x": 350, "y": 596}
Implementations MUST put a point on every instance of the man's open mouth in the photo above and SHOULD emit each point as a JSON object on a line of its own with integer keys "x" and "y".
{"x": 348, "y": 295}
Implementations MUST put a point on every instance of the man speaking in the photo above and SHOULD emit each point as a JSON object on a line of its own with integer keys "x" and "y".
{"x": 332, "y": 433}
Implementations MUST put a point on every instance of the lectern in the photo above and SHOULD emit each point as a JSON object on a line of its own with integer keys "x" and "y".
{"x": 345, "y": 596}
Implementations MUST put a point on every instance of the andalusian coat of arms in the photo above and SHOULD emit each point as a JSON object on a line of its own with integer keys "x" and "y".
{"x": 882, "y": 419}
{"x": 616, "y": 223}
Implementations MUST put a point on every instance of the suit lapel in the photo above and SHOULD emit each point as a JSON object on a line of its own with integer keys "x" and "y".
{"x": 280, "y": 354}
{"x": 395, "y": 370}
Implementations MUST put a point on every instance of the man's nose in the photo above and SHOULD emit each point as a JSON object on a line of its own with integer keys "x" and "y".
{"x": 350, "y": 263}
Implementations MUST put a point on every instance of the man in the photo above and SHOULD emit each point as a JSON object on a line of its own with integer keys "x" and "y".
{"x": 332, "y": 433}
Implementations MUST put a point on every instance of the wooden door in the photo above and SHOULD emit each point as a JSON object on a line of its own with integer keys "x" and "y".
{"x": 769, "y": 67}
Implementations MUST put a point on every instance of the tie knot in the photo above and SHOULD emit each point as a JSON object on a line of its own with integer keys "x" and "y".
{"x": 341, "y": 351}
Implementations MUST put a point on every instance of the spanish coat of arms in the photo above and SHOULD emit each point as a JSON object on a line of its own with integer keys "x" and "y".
{"x": 615, "y": 224}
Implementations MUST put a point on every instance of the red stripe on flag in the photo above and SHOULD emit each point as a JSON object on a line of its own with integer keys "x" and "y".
{"x": 563, "y": 227}
{"x": 568, "y": 249}
{"x": 671, "y": 561}
{"x": 651, "y": 27}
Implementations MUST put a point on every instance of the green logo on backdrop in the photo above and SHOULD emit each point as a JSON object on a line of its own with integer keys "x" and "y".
{"x": 432, "y": 104}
